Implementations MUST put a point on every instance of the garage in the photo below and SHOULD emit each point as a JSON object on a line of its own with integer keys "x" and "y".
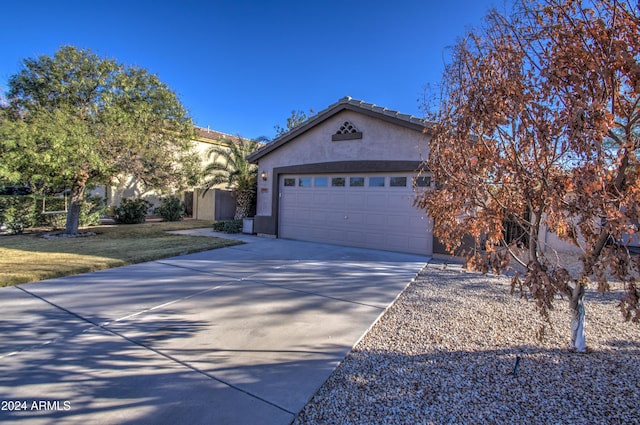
{"x": 361, "y": 210}
{"x": 345, "y": 176}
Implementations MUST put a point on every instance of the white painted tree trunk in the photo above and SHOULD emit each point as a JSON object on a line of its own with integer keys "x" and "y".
{"x": 578, "y": 340}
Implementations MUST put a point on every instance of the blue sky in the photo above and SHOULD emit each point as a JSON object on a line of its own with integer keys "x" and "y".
{"x": 241, "y": 67}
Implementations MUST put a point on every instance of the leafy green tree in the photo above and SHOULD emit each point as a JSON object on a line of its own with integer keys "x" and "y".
{"x": 229, "y": 166}
{"x": 74, "y": 120}
{"x": 297, "y": 117}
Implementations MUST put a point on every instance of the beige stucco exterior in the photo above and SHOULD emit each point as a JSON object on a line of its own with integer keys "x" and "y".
{"x": 203, "y": 206}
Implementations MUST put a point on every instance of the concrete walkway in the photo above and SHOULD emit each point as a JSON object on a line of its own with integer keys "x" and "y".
{"x": 239, "y": 335}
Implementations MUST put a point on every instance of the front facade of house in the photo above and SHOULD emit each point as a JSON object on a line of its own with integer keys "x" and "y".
{"x": 346, "y": 177}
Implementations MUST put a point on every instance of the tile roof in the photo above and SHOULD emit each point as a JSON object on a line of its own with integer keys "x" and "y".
{"x": 379, "y": 109}
{"x": 211, "y": 135}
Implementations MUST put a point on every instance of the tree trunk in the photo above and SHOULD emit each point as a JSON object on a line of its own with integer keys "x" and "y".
{"x": 73, "y": 212}
{"x": 578, "y": 340}
{"x": 244, "y": 204}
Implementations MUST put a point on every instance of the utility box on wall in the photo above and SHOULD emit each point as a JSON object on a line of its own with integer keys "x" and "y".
{"x": 247, "y": 225}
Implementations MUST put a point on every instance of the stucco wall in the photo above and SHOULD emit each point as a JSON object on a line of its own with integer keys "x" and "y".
{"x": 214, "y": 205}
{"x": 203, "y": 205}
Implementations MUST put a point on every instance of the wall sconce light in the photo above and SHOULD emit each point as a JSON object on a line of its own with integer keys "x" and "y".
{"x": 263, "y": 176}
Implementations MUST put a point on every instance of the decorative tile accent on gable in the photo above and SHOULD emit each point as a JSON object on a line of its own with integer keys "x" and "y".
{"x": 347, "y": 131}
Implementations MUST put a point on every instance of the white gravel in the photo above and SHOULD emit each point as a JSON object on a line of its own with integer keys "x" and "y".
{"x": 445, "y": 353}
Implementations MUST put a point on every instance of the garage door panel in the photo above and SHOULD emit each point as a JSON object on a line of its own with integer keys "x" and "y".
{"x": 419, "y": 221}
{"x": 335, "y": 217}
{"x": 398, "y": 223}
{"x": 355, "y": 218}
{"x": 336, "y": 200}
{"x": 315, "y": 233}
{"x": 305, "y": 198}
{"x": 374, "y": 219}
{"x": 334, "y": 235}
{"x": 319, "y": 217}
{"x": 356, "y": 200}
{"x": 354, "y": 236}
{"x": 374, "y": 238}
{"x": 377, "y": 201}
{"x": 321, "y": 198}
{"x": 419, "y": 243}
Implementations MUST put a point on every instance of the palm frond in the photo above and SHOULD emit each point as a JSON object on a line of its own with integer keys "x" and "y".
{"x": 228, "y": 165}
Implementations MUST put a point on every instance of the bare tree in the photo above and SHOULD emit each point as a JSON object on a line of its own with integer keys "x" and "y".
{"x": 538, "y": 126}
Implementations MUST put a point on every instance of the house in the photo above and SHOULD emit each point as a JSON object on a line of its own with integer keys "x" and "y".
{"x": 345, "y": 176}
{"x": 215, "y": 204}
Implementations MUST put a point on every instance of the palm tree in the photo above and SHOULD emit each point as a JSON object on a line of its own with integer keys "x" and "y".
{"x": 229, "y": 166}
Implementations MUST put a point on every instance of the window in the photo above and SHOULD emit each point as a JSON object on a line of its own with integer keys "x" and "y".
{"x": 289, "y": 182}
{"x": 422, "y": 181}
{"x": 321, "y": 182}
{"x": 398, "y": 182}
{"x": 304, "y": 182}
{"x": 338, "y": 182}
{"x": 356, "y": 181}
{"x": 376, "y": 181}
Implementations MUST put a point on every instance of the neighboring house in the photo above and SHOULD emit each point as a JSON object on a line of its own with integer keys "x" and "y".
{"x": 345, "y": 176}
{"x": 215, "y": 204}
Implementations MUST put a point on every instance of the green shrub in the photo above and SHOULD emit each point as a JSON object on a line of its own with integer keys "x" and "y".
{"x": 93, "y": 209}
{"x": 228, "y": 226}
{"x": 16, "y": 212}
{"x": 54, "y": 221}
{"x": 131, "y": 211}
{"x": 171, "y": 209}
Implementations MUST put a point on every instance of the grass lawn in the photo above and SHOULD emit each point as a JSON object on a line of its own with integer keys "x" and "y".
{"x": 29, "y": 257}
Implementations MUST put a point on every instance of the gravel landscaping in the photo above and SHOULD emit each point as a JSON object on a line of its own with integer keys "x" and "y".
{"x": 447, "y": 349}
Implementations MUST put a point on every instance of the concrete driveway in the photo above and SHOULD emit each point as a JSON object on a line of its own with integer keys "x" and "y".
{"x": 239, "y": 335}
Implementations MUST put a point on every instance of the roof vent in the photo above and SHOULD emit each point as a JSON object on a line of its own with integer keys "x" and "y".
{"x": 347, "y": 131}
{"x": 347, "y": 128}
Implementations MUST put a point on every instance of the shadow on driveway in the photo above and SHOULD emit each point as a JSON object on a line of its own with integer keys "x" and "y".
{"x": 244, "y": 334}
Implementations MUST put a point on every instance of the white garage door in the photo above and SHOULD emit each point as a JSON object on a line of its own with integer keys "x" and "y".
{"x": 365, "y": 210}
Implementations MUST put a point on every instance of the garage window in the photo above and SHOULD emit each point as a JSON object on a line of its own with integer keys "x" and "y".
{"x": 320, "y": 182}
{"x": 289, "y": 182}
{"x": 338, "y": 182}
{"x": 423, "y": 181}
{"x": 356, "y": 181}
{"x": 376, "y": 181}
{"x": 304, "y": 182}
{"x": 398, "y": 182}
